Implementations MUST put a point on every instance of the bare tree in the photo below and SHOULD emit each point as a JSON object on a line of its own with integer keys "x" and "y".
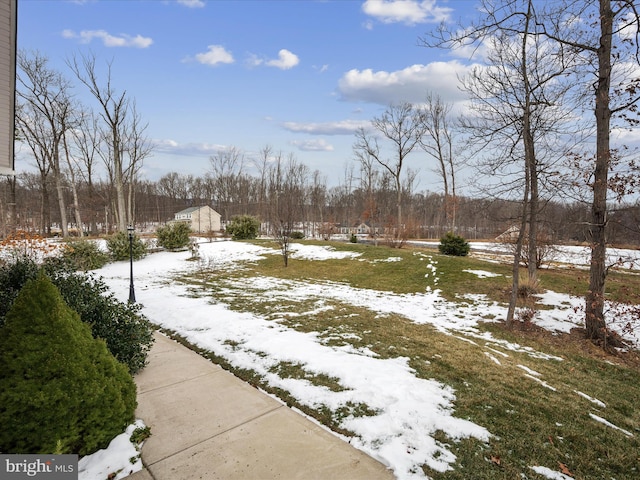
{"x": 121, "y": 122}
{"x": 516, "y": 110}
{"x": 287, "y": 181}
{"x": 85, "y": 143}
{"x": 609, "y": 51}
{"x": 137, "y": 148}
{"x": 45, "y": 116}
{"x": 318, "y": 200}
{"x": 599, "y": 40}
{"x": 437, "y": 142}
{"x": 401, "y": 125}
{"x": 227, "y": 168}
{"x": 369, "y": 178}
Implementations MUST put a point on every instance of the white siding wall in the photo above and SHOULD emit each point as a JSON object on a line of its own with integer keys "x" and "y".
{"x": 8, "y": 12}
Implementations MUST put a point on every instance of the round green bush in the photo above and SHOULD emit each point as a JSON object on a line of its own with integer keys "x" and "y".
{"x": 60, "y": 389}
{"x": 129, "y": 335}
{"x": 84, "y": 255}
{"x": 452, "y": 244}
{"x": 243, "y": 227}
{"x": 118, "y": 246}
{"x": 173, "y": 236}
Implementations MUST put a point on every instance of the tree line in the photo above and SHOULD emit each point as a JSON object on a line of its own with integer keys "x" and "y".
{"x": 326, "y": 210}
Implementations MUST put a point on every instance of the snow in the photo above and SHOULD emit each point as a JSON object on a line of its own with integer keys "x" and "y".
{"x": 115, "y": 458}
{"x": 482, "y": 273}
{"x": 406, "y": 411}
{"x": 591, "y": 399}
{"x": 611, "y": 425}
{"x": 551, "y": 474}
{"x": 569, "y": 256}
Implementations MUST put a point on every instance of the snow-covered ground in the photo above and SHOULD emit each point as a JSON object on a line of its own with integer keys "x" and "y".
{"x": 408, "y": 409}
{"x": 558, "y": 255}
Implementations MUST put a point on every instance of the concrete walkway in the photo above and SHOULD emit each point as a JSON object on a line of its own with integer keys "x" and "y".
{"x": 207, "y": 424}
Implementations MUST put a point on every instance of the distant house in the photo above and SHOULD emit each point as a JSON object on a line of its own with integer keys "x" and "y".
{"x": 201, "y": 219}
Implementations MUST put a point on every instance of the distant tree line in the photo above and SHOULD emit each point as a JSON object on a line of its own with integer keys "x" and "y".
{"x": 310, "y": 200}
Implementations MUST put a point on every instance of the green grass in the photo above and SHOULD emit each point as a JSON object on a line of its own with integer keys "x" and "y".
{"x": 531, "y": 424}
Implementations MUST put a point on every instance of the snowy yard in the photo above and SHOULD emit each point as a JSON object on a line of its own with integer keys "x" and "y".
{"x": 406, "y": 411}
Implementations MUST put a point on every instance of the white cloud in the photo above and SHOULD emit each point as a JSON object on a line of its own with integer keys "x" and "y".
{"x": 192, "y": 3}
{"x": 186, "y": 149}
{"x": 316, "y": 145}
{"x": 408, "y": 85}
{"x": 344, "y": 127}
{"x": 285, "y": 60}
{"x": 214, "y": 55}
{"x": 409, "y": 12}
{"x": 108, "y": 40}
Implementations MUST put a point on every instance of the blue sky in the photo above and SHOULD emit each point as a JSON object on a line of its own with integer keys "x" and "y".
{"x": 297, "y": 75}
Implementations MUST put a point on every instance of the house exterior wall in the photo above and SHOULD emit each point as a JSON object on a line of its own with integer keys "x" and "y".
{"x": 206, "y": 219}
{"x": 8, "y": 16}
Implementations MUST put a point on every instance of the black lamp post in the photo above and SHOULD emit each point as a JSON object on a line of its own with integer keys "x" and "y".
{"x": 132, "y": 293}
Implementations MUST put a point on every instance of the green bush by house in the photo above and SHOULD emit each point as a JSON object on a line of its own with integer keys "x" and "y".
{"x": 173, "y": 236}
{"x": 452, "y": 244}
{"x": 60, "y": 389}
{"x": 243, "y": 227}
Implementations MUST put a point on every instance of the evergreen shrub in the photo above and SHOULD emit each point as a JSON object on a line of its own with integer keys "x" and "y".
{"x": 173, "y": 236}
{"x": 296, "y": 235}
{"x": 452, "y": 244}
{"x": 60, "y": 389}
{"x": 128, "y": 334}
{"x": 243, "y": 227}
{"x": 13, "y": 276}
{"x": 84, "y": 255}
{"x": 118, "y": 246}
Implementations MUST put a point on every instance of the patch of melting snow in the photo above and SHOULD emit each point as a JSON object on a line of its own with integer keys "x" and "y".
{"x": 493, "y": 359}
{"x": 529, "y": 371}
{"x": 483, "y": 273}
{"x": 551, "y": 474}
{"x": 611, "y": 425}
{"x": 541, "y": 382}
{"x": 591, "y": 399}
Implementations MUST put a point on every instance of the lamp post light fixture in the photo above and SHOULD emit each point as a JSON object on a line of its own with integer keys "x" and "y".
{"x": 132, "y": 293}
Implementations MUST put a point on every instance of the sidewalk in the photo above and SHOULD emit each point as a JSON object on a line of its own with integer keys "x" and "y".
{"x": 207, "y": 424}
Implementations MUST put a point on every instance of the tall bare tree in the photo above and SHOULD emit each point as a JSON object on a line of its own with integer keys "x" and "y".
{"x": 85, "y": 143}
{"x": 516, "y": 110}
{"x": 45, "y": 116}
{"x": 369, "y": 178}
{"x": 437, "y": 142}
{"x": 402, "y": 126}
{"x": 120, "y": 121}
{"x": 598, "y": 39}
{"x": 607, "y": 43}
